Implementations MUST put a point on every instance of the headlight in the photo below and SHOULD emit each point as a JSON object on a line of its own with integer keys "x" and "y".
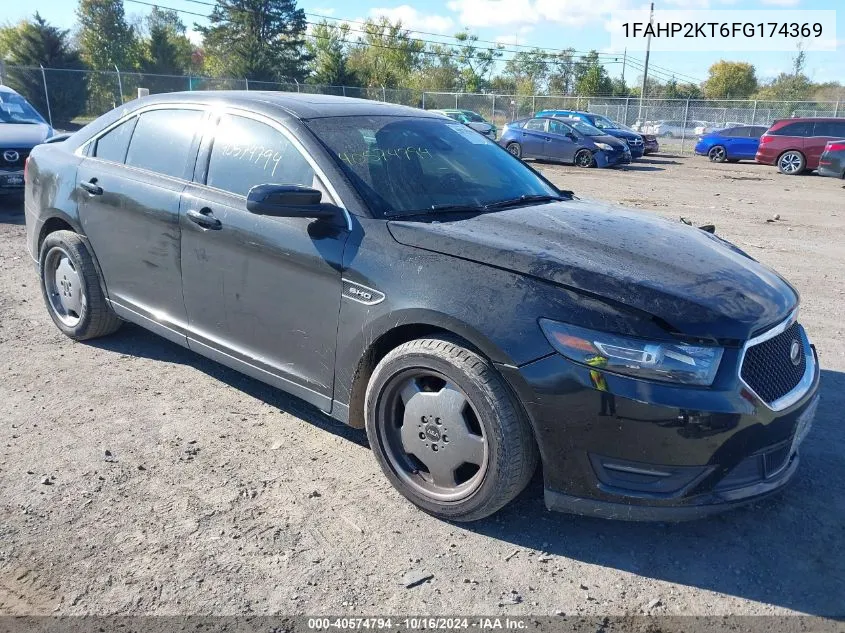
{"x": 651, "y": 360}
{"x": 604, "y": 146}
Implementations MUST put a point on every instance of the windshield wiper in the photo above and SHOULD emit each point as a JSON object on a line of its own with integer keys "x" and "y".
{"x": 440, "y": 208}
{"x": 526, "y": 199}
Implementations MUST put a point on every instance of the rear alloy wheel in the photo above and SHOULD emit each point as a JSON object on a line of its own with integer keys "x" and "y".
{"x": 584, "y": 158}
{"x": 717, "y": 154}
{"x": 515, "y": 149}
{"x": 791, "y": 163}
{"x": 446, "y": 431}
{"x": 71, "y": 288}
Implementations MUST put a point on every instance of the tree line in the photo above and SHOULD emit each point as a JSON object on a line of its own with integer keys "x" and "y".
{"x": 273, "y": 41}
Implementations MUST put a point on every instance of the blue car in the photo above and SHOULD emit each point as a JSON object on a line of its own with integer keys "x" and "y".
{"x": 731, "y": 144}
{"x": 611, "y": 128}
{"x": 570, "y": 141}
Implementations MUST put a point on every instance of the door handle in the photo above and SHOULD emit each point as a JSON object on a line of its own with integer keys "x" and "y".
{"x": 547, "y": 138}
{"x": 92, "y": 187}
{"x": 205, "y": 218}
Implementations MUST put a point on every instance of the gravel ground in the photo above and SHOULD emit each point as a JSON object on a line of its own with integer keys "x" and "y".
{"x": 140, "y": 478}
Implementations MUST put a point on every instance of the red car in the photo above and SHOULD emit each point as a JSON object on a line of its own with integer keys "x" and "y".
{"x": 795, "y": 145}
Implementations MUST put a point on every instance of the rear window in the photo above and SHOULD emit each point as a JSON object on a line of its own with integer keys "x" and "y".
{"x": 829, "y": 128}
{"x": 536, "y": 124}
{"x": 162, "y": 141}
{"x": 798, "y": 128}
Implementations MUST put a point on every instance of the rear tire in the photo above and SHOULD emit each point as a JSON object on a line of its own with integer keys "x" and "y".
{"x": 791, "y": 163}
{"x": 446, "y": 430}
{"x": 515, "y": 149}
{"x": 71, "y": 288}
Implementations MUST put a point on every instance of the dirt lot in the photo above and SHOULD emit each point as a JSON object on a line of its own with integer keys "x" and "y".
{"x": 219, "y": 495}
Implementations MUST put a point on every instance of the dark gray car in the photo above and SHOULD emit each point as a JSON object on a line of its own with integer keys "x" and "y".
{"x": 405, "y": 274}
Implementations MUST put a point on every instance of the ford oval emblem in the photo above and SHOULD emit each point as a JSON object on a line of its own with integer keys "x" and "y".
{"x": 795, "y": 352}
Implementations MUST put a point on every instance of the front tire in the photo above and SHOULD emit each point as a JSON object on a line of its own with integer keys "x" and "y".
{"x": 791, "y": 163}
{"x": 71, "y": 288}
{"x": 584, "y": 158}
{"x": 515, "y": 149}
{"x": 446, "y": 430}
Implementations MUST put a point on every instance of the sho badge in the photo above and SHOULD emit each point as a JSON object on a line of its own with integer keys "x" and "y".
{"x": 361, "y": 294}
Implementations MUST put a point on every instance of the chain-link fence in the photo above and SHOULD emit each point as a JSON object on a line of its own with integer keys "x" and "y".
{"x": 71, "y": 97}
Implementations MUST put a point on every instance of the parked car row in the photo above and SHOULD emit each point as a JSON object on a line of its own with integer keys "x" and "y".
{"x": 580, "y": 138}
{"x": 793, "y": 145}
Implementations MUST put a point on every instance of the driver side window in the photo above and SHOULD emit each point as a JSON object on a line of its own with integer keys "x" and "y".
{"x": 248, "y": 153}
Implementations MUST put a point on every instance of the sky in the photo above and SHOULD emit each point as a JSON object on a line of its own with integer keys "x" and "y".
{"x": 550, "y": 24}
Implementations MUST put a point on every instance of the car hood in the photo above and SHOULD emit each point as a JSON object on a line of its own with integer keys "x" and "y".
{"x": 623, "y": 134}
{"x": 610, "y": 140}
{"x": 23, "y": 135}
{"x": 690, "y": 279}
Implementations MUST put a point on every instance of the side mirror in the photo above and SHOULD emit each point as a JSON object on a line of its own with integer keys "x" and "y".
{"x": 572, "y": 135}
{"x": 288, "y": 201}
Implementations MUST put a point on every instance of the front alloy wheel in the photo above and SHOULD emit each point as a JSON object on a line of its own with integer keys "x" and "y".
{"x": 717, "y": 154}
{"x": 446, "y": 430}
{"x": 584, "y": 158}
{"x": 432, "y": 438}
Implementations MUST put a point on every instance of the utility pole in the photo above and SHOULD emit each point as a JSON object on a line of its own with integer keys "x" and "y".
{"x": 645, "y": 68}
{"x": 624, "y": 61}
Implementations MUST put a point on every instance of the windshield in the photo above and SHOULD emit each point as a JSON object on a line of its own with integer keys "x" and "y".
{"x": 410, "y": 166}
{"x": 473, "y": 117}
{"x": 585, "y": 128}
{"x": 603, "y": 123}
{"x": 15, "y": 109}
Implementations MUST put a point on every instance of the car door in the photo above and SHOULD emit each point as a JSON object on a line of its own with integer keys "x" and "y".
{"x": 533, "y": 138}
{"x": 746, "y": 142}
{"x": 559, "y": 146}
{"x": 262, "y": 293}
{"x": 130, "y": 185}
{"x": 731, "y": 140}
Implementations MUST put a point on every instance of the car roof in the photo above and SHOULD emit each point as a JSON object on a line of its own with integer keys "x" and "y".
{"x": 810, "y": 119}
{"x": 297, "y": 105}
{"x": 8, "y": 90}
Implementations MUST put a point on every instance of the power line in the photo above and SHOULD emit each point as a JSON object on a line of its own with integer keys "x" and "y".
{"x": 603, "y": 58}
{"x": 449, "y": 54}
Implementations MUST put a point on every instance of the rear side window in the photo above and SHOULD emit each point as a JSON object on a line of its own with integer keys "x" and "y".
{"x": 799, "y": 128}
{"x": 733, "y": 132}
{"x": 248, "y": 153}
{"x": 830, "y": 128}
{"x": 756, "y": 131}
{"x": 162, "y": 141}
{"x": 536, "y": 124}
{"x": 113, "y": 144}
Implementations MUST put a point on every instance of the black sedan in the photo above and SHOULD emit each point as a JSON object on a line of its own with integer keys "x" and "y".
{"x": 832, "y": 160}
{"x": 565, "y": 140}
{"x": 406, "y": 275}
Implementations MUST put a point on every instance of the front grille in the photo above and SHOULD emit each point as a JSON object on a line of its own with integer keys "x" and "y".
{"x": 768, "y": 368}
{"x": 635, "y": 141}
{"x": 22, "y": 153}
